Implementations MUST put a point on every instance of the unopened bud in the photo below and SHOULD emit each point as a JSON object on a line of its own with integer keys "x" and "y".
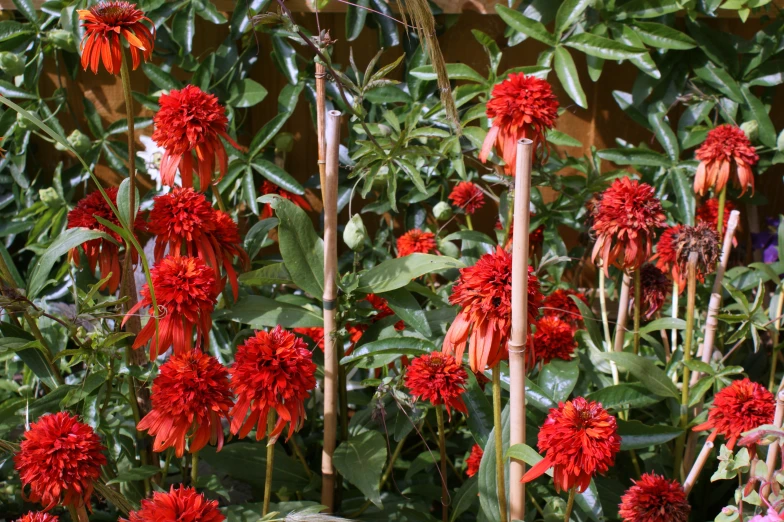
{"x": 355, "y": 233}
{"x": 442, "y": 211}
{"x": 751, "y": 129}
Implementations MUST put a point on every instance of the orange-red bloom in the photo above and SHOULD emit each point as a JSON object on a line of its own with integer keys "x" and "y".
{"x": 383, "y": 310}
{"x": 709, "y": 212}
{"x": 186, "y": 292}
{"x": 726, "y": 152}
{"x": 189, "y": 121}
{"x": 315, "y": 334}
{"x": 37, "y": 516}
{"x": 181, "y": 504}
{"x": 554, "y": 339}
{"x": 59, "y": 460}
{"x": 190, "y": 397}
{"x": 467, "y": 196}
{"x": 521, "y": 107}
{"x": 439, "y": 379}
{"x": 741, "y": 406}
{"x": 416, "y": 242}
{"x": 228, "y": 245}
{"x": 561, "y": 305}
{"x": 473, "y": 460}
{"x": 100, "y": 252}
{"x": 272, "y": 371}
{"x": 580, "y": 439}
{"x": 653, "y": 498}
{"x": 105, "y": 25}
{"x": 270, "y": 188}
{"x": 624, "y": 222}
{"x": 654, "y": 287}
{"x": 484, "y": 294}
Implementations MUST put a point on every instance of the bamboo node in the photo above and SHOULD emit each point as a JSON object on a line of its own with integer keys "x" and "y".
{"x": 515, "y": 347}
{"x": 330, "y": 304}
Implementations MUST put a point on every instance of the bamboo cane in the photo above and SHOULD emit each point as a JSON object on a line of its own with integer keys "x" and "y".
{"x": 330, "y": 196}
{"x": 712, "y": 321}
{"x": 321, "y": 107}
{"x": 702, "y": 458}
{"x": 773, "y": 449}
{"x": 522, "y": 211}
{"x": 623, "y": 312}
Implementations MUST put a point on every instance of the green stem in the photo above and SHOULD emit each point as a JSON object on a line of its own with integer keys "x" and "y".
{"x": 165, "y": 472}
{"x": 134, "y": 400}
{"x": 570, "y": 504}
{"x": 300, "y": 457}
{"x": 687, "y": 342}
{"x": 194, "y": 468}
{"x": 775, "y": 338}
{"x": 127, "y": 93}
{"x": 442, "y": 449}
{"x": 637, "y": 308}
{"x": 499, "y": 443}
{"x": 720, "y": 216}
{"x": 270, "y": 464}
{"x": 469, "y": 224}
{"x": 606, "y": 325}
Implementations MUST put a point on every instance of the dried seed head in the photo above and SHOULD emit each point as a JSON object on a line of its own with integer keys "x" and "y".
{"x": 702, "y": 239}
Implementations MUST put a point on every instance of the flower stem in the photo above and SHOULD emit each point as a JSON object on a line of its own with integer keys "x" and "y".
{"x": 442, "y": 448}
{"x": 499, "y": 443}
{"x": 720, "y": 215}
{"x": 270, "y": 464}
{"x": 81, "y": 513}
{"x": 570, "y": 504}
{"x": 606, "y": 324}
{"x": 126, "y": 84}
{"x": 687, "y": 341}
{"x": 775, "y": 338}
{"x": 194, "y": 468}
{"x": 637, "y": 308}
{"x": 469, "y": 223}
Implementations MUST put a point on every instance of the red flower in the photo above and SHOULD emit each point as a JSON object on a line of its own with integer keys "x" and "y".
{"x": 383, "y": 310}
{"x": 654, "y": 287}
{"x": 438, "y": 378}
{"x": 561, "y": 305}
{"x": 59, "y": 460}
{"x": 521, "y": 107}
{"x": 416, "y": 242}
{"x": 100, "y": 252}
{"x": 228, "y": 245}
{"x": 653, "y": 498}
{"x": 186, "y": 293}
{"x": 484, "y": 293}
{"x": 315, "y": 334}
{"x": 535, "y": 237}
{"x": 104, "y": 24}
{"x": 37, "y": 516}
{"x": 666, "y": 254}
{"x": 467, "y": 196}
{"x": 272, "y": 370}
{"x": 726, "y": 151}
{"x": 624, "y": 222}
{"x": 709, "y": 212}
{"x": 190, "y": 397}
{"x": 473, "y": 460}
{"x": 580, "y": 440}
{"x": 181, "y": 504}
{"x": 554, "y": 339}
{"x": 270, "y": 188}
{"x": 741, "y": 406}
{"x": 191, "y": 120}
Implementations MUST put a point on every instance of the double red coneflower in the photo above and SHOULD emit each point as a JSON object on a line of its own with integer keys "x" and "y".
{"x": 439, "y": 379}
{"x": 726, "y": 153}
{"x": 561, "y": 305}
{"x": 654, "y": 498}
{"x": 553, "y": 339}
{"x": 709, "y": 212}
{"x": 106, "y": 24}
{"x": 416, "y": 242}
{"x": 38, "y": 516}
{"x": 467, "y": 196}
{"x": 181, "y": 504}
{"x": 474, "y": 460}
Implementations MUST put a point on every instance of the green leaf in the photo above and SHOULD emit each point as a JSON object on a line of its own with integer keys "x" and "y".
{"x": 11, "y": 29}
{"x": 602, "y": 47}
{"x": 623, "y": 395}
{"x": 664, "y": 134}
{"x": 646, "y": 371}
{"x": 636, "y": 435}
{"x": 121, "y": 126}
{"x": 589, "y": 320}
{"x": 9, "y": 90}
{"x": 527, "y": 454}
{"x": 286, "y": 58}
{"x": 262, "y": 312}
{"x": 274, "y": 274}
{"x": 249, "y": 190}
{"x": 558, "y": 378}
{"x": 562, "y": 139}
{"x": 242, "y": 461}
{"x": 648, "y": 8}
{"x": 246, "y": 93}
{"x": 301, "y": 248}
{"x": 464, "y": 498}
{"x": 133, "y": 474}
{"x": 634, "y": 157}
{"x": 589, "y": 502}
{"x": 665, "y": 323}
{"x": 355, "y": 19}
{"x": 71, "y": 238}
{"x": 767, "y": 132}
{"x": 769, "y": 74}
{"x": 93, "y": 118}
{"x": 664, "y": 37}
{"x": 124, "y": 202}
{"x": 488, "y": 490}
{"x": 184, "y": 28}
{"x": 480, "y": 411}
{"x": 207, "y": 11}
{"x": 568, "y": 13}
{"x": 406, "y": 307}
{"x": 27, "y": 9}
{"x": 684, "y": 196}
{"x": 277, "y": 175}
{"x": 455, "y": 71}
{"x": 391, "y": 345}
{"x": 267, "y": 132}
{"x": 203, "y": 74}
{"x": 160, "y": 77}
{"x": 519, "y": 22}
{"x": 567, "y": 75}
{"x": 360, "y": 460}
{"x": 397, "y": 273}
{"x": 720, "y": 80}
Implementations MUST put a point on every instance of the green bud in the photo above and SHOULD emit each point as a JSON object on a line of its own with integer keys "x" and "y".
{"x": 751, "y": 128}
{"x": 780, "y": 142}
{"x": 79, "y": 141}
{"x": 23, "y": 123}
{"x": 355, "y": 233}
{"x": 63, "y": 40}
{"x": 50, "y": 197}
{"x": 12, "y": 64}
{"x": 442, "y": 211}
{"x": 284, "y": 142}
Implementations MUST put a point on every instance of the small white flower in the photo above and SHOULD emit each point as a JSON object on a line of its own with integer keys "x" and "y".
{"x": 152, "y": 156}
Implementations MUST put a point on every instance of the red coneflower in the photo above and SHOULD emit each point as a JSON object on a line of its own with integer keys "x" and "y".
{"x": 315, "y": 334}
{"x": 272, "y": 371}
{"x": 383, "y": 310}
{"x": 439, "y": 379}
{"x": 709, "y": 212}
{"x": 467, "y": 196}
{"x": 270, "y": 188}
{"x": 59, "y": 461}
{"x": 741, "y": 406}
{"x": 654, "y": 287}
{"x": 726, "y": 152}
{"x": 104, "y": 25}
{"x": 186, "y": 293}
{"x": 653, "y": 498}
{"x": 521, "y": 107}
{"x": 184, "y": 221}
{"x": 100, "y": 252}
{"x": 188, "y": 121}
{"x": 484, "y": 293}
{"x": 561, "y": 305}
{"x": 37, "y": 516}
{"x": 190, "y": 397}
{"x": 624, "y": 222}
{"x": 181, "y": 504}
{"x": 666, "y": 253}
{"x": 554, "y": 339}
{"x": 228, "y": 245}
{"x": 473, "y": 460}
{"x": 678, "y": 242}
{"x": 416, "y": 242}
{"x": 535, "y": 237}
{"x": 580, "y": 440}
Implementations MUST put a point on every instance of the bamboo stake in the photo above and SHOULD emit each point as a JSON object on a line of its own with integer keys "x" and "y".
{"x": 517, "y": 342}
{"x": 329, "y": 191}
{"x": 702, "y": 458}
{"x": 773, "y": 449}
{"x": 674, "y": 335}
{"x": 623, "y": 312}
{"x": 321, "y": 107}
{"x": 712, "y": 321}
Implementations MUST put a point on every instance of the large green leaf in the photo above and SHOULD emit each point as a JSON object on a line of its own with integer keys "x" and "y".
{"x": 274, "y": 274}
{"x": 455, "y": 71}
{"x": 568, "y": 13}
{"x": 664, "y": 37}
{"x": 488, "y": 490}
{"x": 646, "y": 371}
{"x": 567, "y": 75}
{"x": 242, "y": 461}
{"x": 464, "y": 498}
{"x": 397, "y": 273}
{"x": 558, "y": 378}
{"x": 635, "y": 157}
{"x": 360, "y": 460}
{"x": 684, "y": 195}
{"x": 406, "y": 307}
{"x": 355, "y": 18}
{"x": 391, "y": 345}
{"x": 648, "y": 8}
{"x": 602, "y": 47}
{"x": 277, "y": 175}
{"x": 262, "y": 312}
{"x": 246, "y": 93}
{"x": 719, "y": 79}
{"x": 767, "y": 132}
{"x": 623, "y": 395}
{"x": 480, "y": 411}
{"x": 636, "y": 435}
{"x": 519, "y": 22}
{"x": 301, "y": 248}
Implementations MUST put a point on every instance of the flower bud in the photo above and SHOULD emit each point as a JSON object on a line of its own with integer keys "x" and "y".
{"x": 442, "y": 211}
{"x": 12, "y": 64}
{"x": 63, "y": 40}
{"x": 751, "y": 129}
{"x": 354, "y": 234}
{"x": 79, "y": 141}
{"x": 49, "y": 197}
